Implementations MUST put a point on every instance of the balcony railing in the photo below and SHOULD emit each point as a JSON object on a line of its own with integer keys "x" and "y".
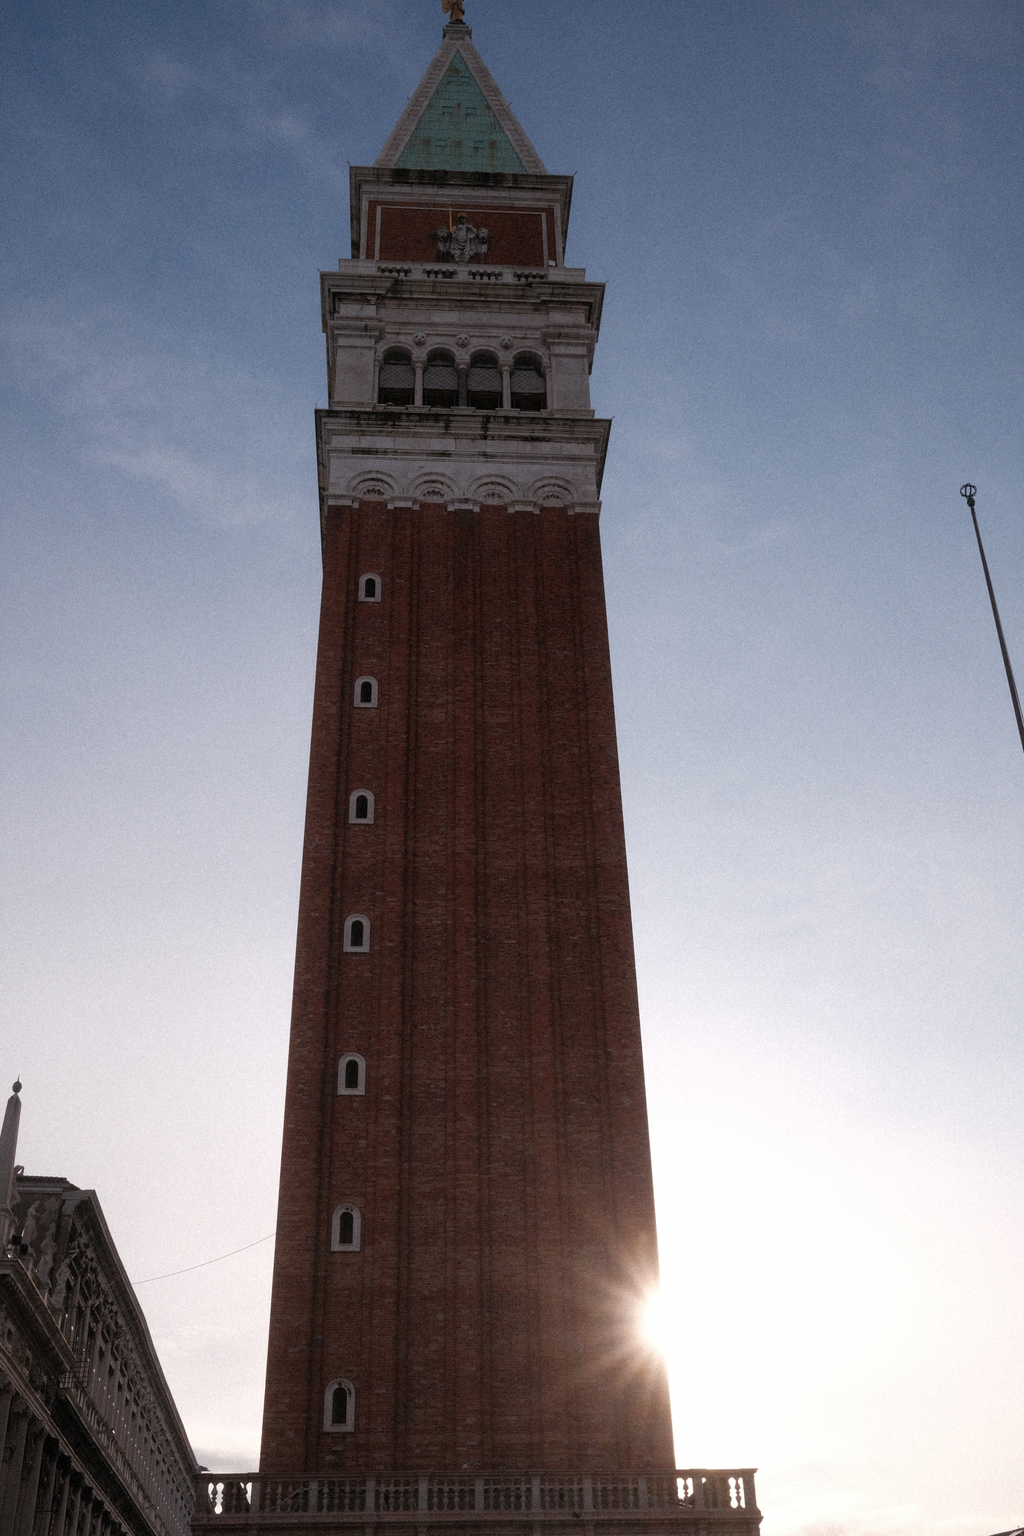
{"x": 451, "y": 271}
{"x": 723, "y": 1496}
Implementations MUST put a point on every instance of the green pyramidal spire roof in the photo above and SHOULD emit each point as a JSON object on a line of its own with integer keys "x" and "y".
{"x": 458, "y": 131}
{"x": 458, "y": 120}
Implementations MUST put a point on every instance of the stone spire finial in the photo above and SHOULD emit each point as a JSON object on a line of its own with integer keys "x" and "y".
{"x": 8, "y": 1152}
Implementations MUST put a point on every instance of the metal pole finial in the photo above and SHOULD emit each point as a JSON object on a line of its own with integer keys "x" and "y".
{"x": 968, "y": 492}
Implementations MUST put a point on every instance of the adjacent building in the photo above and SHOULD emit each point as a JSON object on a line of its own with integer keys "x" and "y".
{"x": 90, "y": 1440}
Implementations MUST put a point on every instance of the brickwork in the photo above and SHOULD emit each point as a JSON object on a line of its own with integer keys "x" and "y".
{"x": 499, "y": 1156}
{"x": 493, "y": 1161}
{"x": 407, "y": 232}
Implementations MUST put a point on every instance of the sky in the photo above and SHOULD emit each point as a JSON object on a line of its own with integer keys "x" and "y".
{"x": 809, "y": 217}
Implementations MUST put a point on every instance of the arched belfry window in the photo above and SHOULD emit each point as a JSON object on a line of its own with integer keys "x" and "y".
{"x": 352, "y": 1074}
{"x": 396, "y": 383}
{"x": 346, "y": 1229}
{"x": 484, "y": 382}
{"x": 340, "y": 1407}
{"x": 366, "y": 693}
{"x": 361, "y": 808}
{"x": 529, "y": 392}
{"x": 357, "y": 934}
{"x": 369, "y": 589}
{"x": 440, "y": 380}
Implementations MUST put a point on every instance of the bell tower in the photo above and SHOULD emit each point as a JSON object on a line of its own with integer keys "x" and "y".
{"x": 466, "y": 1223}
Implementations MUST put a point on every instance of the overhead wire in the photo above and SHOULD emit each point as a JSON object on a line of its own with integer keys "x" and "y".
{"x": 206, "y": 1262}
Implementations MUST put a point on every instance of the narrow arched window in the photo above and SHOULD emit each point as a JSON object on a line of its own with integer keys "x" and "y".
{"x": 529, "y": 392}
{"x": 396, "y": 383}
{"x": 339, "y": 1407}
{"x": 361, "y": 807}
{"x": 351, "y": 1074}
{"x": 346, "y": 1230}
{"x": 440, "y": 380}
{"x": 357, "y": 934}
{"x": 484, "y": 382}
{"x": 366, "y": 693}
{"x": 369, "y": 589}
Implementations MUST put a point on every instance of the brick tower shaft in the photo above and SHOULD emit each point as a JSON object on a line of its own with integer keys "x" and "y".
{"x": 466, "y": 1223}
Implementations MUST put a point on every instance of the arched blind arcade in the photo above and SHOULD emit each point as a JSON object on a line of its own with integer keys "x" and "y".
{"x": 529, "y": 392}
{"x": 485, "y": 382}
{"x": 397, "y": 382}
{"x": 440, "y": 380}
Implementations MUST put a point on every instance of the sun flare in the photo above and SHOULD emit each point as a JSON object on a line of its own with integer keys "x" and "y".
{"x": 656, "y": 1322}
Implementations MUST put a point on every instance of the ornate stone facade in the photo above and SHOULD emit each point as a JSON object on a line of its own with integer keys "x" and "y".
{"x": 91, "y": 1441}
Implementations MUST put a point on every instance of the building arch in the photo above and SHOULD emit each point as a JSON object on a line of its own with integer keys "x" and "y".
{"x": 346, "y": 1229}
{"x": 484, "y": 382}
{"x": 351, "y": 1075}
{"x": 440, "y": 379}
{"x": 552, "y": 492}
{"x": 529, "y": 387}
{"x": 357, "y": 934}
{"x": 339, "y": 1407}
{"x": 396, "y": 379}
{"x": 433, "y": 488}
{"x": 361, "y": 808}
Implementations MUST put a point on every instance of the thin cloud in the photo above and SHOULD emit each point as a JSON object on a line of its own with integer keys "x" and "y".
{"x": 164, "y": 412}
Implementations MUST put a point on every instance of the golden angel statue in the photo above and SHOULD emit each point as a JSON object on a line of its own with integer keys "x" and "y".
{"x": 456, "y": 9}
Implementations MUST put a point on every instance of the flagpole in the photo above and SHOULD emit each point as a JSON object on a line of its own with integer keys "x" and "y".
{"x": 968, "y": 492}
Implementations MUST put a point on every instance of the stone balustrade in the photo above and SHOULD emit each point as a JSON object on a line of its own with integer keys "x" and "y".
{"x": 464, "y": 272}
{"x": 690, "y": 1498}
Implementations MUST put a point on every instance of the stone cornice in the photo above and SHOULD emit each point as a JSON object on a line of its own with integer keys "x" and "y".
{"x": 462, "y": 459}
{"x": 370, "y": 284}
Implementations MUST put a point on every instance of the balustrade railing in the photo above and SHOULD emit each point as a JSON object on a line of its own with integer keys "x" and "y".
{"x": 449, "y": 271}
{"x": 543, "y": 1496}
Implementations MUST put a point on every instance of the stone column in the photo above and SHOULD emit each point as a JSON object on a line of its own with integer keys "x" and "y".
{"x": 506, "y": 387}
{"x": 417, "y": 398}
{"x": 5, "y": 1412}
{"x": 76, "y": 1507}
{"x": 10, "y": 1475}
{"x": 48, "y": 1484}
{"x": 26, "y": 1515}
{"x": 62, "y": 1508}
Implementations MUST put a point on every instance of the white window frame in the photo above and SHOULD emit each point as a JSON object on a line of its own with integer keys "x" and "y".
{"x": 362, "y": 821}
{"x": 362, "y": 703}
{"x": 347, "y": 945}
{"x": 330, "y": 1427}
{"x": 359, "y": 1091}
{"x": 337, "y": 1246}
{"x": 370, "y": 576}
